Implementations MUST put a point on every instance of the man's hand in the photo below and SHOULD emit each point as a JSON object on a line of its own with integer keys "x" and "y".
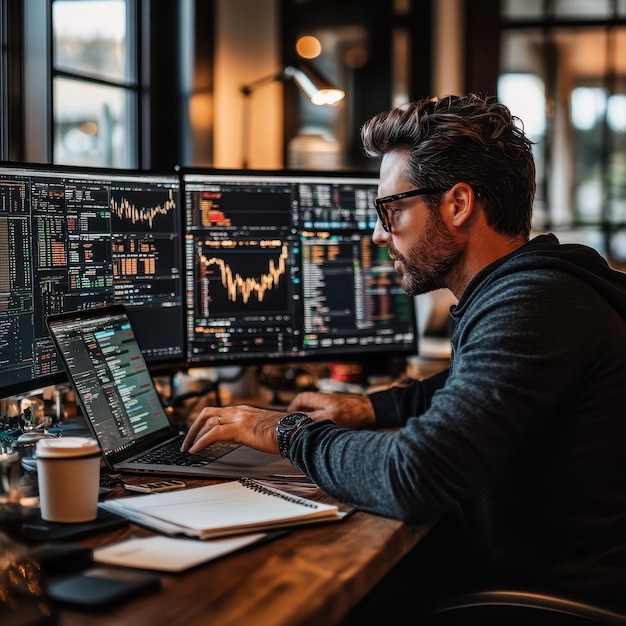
{"x": 347, "y": 410}
{"x": 244, "y": 424}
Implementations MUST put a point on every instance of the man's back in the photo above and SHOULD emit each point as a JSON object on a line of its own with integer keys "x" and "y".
{"x": 558, "y": 507}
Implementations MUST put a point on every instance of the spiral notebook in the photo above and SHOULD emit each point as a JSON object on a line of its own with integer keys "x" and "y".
{"x": 218, "y": 510}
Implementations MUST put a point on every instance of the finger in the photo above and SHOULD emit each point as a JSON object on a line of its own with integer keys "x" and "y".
{"x": 193, "y": 443}
{"x": 214, "y": 430}
{"x": 197, "y": 427}
{"x": 308, "y": 401}
{"x": 191, "y": 434}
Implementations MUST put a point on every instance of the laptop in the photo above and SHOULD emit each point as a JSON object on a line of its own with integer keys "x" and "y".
{"x": 124, "y": 411}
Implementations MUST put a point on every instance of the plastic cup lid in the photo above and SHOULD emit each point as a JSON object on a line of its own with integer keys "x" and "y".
{"x": 64, "y": 447}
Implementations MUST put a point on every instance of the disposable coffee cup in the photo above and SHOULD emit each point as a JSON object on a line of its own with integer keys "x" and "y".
{"x": 68, "y": 473}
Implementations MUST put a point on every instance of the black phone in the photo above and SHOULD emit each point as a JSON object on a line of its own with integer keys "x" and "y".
{"x": 101, "y": 586}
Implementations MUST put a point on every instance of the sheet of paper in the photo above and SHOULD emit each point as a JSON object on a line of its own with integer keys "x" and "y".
{"x": 169, "y": 554}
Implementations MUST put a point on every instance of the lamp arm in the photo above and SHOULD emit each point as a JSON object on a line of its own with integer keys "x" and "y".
{"x": 246, "y": 90}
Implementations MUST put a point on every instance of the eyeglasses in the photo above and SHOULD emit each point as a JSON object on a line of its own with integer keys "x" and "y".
{"x": 383, "y": 212}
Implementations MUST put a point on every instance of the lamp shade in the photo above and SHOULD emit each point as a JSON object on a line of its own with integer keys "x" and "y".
{"x": 313, "y": 85}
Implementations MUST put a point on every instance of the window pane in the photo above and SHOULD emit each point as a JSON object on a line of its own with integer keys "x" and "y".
{"x": 90, "y": 38}
{"x": 524, "y": 94}
{"x": 616, "y": 123}
{"x": 521, "y": 86}
{"x": 618, "y": 248}
{"x": 583, "y": 8}
{"x": 522, "y": 9}
{"x": 559, "y": 9}
{"x": 91, "y": 125}
{"x": 588, "y": 105}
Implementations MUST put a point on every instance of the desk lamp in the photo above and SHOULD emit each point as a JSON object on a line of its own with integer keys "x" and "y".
{"x": 313, "y": 85}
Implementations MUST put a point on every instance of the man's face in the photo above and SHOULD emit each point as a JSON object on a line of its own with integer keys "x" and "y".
{"x": 424, "y": 250}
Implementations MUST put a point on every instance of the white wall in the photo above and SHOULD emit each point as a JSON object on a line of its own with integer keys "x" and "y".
{"x": 247, "y": 48}
{"x": 448, "y": 44}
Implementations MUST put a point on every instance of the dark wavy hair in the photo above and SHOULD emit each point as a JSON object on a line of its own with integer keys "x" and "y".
{"x": 463, "y": 139}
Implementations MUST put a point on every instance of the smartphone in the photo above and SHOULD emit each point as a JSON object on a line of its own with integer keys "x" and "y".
{"x": 156, "y": 486}
{"x": 100, "y": 586}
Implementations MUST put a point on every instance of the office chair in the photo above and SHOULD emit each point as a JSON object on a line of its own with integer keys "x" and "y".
{"x": 517, "y": 608}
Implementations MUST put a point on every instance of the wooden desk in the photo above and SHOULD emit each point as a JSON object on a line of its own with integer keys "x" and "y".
{"x": 313, "y": 576}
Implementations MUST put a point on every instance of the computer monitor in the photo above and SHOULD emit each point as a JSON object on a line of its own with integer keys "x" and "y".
{"x": 76, "y": 238}
{"x": 281, "y": 265}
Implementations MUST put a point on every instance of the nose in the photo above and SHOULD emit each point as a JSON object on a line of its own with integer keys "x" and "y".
{"x": 380, "y": 236}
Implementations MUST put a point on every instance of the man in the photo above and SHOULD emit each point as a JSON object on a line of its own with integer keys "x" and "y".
{"x": 525, "y": 434}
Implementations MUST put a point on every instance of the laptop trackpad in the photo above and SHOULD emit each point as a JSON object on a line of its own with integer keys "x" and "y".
{"x": 244, "y": 461}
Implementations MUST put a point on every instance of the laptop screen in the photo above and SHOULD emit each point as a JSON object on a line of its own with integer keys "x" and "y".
{"x": 110, "y": 377}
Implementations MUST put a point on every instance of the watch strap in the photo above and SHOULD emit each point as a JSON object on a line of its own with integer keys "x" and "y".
{"x": 286, "y": 428}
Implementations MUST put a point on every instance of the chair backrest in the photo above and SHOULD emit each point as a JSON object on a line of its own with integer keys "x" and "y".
{"x": 513, "y": 607}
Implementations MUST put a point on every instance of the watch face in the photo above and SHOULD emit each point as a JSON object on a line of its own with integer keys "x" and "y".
{"x": 293, "y": 419}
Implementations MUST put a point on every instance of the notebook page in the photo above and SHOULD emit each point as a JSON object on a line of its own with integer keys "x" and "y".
{"x": 229, "y": 506}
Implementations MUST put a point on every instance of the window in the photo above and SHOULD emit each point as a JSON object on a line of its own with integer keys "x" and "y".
{"x": 94, "y": 83}
{"x": 569, "y": 61}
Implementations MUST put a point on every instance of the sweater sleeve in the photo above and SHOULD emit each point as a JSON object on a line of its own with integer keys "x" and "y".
{"x": 511, "y": 349}
{"x": 393, "y": 406}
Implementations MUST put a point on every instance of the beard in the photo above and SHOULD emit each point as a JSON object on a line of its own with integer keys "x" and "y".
{"x": 427, "y": 266}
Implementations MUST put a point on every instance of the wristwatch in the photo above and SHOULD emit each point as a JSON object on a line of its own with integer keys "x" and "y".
{"x": 285, "y": 429}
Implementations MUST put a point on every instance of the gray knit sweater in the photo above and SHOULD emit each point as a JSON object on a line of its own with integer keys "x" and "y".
{"x": 526, "y": 431}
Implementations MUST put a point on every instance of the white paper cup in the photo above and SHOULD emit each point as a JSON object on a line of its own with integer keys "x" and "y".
{"x": 68, "y": 473}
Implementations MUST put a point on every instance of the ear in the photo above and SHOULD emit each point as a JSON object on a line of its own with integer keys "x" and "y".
{"x": 461, "y": 203}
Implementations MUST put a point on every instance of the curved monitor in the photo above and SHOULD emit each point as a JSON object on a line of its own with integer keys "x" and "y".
{"x": 77, "y": 238}
{"x": 281, "y": 265}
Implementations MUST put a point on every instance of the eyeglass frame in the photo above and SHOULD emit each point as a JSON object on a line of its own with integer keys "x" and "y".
{"x": 381, "y": 211}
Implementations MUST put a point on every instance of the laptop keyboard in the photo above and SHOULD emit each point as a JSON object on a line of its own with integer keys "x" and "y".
{"x": 170, "y": 454}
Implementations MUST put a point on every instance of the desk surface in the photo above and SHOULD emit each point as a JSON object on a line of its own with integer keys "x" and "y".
{"x": 312, "y": 576}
